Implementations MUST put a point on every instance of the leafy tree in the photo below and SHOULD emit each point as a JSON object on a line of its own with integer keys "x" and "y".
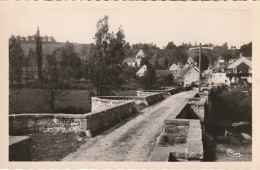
{"x": 39, "y": 53}
{"x": 52, "y": 39}
{"x": 246, "y": 49}
{"x": 83, "y": 50}
{"x": 144, "y": 61}
{"x": 53, "y": 75}
{"x": 170, "y": 45}
{"x": 71, "y": 64}
{"x": 227, "y": 55}
{"x": 16, "y": 59}
{"x": 156, "y": 64}
{"x": 166, "y": 63}
{"x": 180, "y": 55}
{"x": 104, "y": 66}
{"x": 204, "y": 61}
{"x": 148, "y": 81}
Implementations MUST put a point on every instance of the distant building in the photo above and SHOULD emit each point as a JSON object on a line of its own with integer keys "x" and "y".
{"x": 139, "y": 56}
{"x": 191, "y": 76}
{"x": 177, "y": 70}
{"x": 241, "y": 69}
{"x": 135, "y": 61}
{"x": 130, "y": 62}
{"x": 141, "y": 71}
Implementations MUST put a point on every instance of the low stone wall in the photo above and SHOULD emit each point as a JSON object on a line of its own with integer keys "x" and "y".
{"x": 103, "y": 102}
{"x": 22, "y": 124}
{"x": 170, "y": 91}
{"x": 96, "y": 121}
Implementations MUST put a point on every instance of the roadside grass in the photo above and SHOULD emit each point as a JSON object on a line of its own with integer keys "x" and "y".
{"x": 53, "y": 147}
{"x": 32, "y": 101}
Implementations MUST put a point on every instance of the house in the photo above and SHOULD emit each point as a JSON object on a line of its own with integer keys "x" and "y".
{"x": 130, "y": 62}
{"x": 219, "y": 78}
{"x": 135, "y": 61}
{"x": 191, "y": 76}
{"x": 141, "y": 71}
{"x": 177, "y": 70}
{"x": 139, "y": 56}
{"x": 239, "y": 70}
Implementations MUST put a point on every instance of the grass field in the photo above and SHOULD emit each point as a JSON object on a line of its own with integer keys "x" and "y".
{"x": 32, "y": 101}
{"x": 27, "y": 100}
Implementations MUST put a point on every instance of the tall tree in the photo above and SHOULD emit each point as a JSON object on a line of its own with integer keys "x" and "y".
{"x": 16, "y": 59}
{"x": 104, "y": 66}
{"x": 246, "y": 49}
{"x": 166, "y": 63}
{"x": 170, "y": 45}
{"x": 53, "y": 75}
{"x": 148, "y": 81}
{"x": 39, "y": 54}
{"x": 204, "y": 61}
{"x": 71, "y": 64}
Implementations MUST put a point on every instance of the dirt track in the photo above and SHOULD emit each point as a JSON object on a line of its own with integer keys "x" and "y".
{"x": 135, "y": 140}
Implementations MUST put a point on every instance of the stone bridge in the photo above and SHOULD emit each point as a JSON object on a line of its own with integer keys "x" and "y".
{"x": 169, "y": 128}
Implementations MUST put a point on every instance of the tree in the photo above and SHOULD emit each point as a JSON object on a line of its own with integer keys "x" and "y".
{"x": 204, "y": 61}
{"x": 16, "y": 59}
{"x": 166, "y": 63}
{"x": 170, "y": 45}
{"x": 149, "y": 79}
{"x": 227, "y": 55}
{"x": 71, "y": 64}
{"x": 105, "y": 64}
{"x": 156, "y": 64}
{"x": 246, "y": 49}
{"x": 52, "y": 39}
{"x": 53, "y": 78}
{"x": 84, "y": 50}
{"x": 180, "y": 55}
{"x": 144, "y": 61}
{"x": 39, "y": 53}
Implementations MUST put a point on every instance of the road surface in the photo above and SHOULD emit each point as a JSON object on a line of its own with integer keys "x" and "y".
{"x": 133, "y": 141}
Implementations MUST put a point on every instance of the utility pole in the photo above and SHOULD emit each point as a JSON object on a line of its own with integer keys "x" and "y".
{"x": 200, "y": 50}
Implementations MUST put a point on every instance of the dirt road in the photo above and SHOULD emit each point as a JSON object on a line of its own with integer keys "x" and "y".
{"x": 135, "y": 140}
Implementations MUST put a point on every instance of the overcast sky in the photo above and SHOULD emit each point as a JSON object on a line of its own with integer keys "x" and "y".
{"x": 140, "y": 25}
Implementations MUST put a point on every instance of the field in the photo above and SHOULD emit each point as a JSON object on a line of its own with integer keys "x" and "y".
{"x": 27, "y": 100}
{"x": 33, "y": 101}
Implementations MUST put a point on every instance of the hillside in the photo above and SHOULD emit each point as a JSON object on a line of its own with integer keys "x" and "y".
{"x": 48, "y": 48}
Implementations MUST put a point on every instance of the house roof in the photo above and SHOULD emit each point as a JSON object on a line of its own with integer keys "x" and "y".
{"x": 239, "y": 61}
{"x": 174, "y": 67}
{"x": 249, "y": 58}
{"x": 190, "y": 67}
{"x": 129, "y": 60}
{"x": 140, "y": 54}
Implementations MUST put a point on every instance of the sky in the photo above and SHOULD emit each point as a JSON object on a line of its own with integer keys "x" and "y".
{"x": 145, "y": 25}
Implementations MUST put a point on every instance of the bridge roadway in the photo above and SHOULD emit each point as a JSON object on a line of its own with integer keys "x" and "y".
{"x": 133, "y": 141}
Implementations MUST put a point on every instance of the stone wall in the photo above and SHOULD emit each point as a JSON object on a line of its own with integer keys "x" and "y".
{"x": 170, "y": 91}
{"x": 22, "y": 124}
{"x": 96, "y": 121}
{"x": 103, "y": 102}
{"x": 181, "y": 138}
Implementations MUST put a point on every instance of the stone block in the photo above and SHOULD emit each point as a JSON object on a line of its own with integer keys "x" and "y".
{"x": 19, "y": 148}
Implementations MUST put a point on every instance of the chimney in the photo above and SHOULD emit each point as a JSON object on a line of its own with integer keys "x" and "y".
{"x": 178, "y": 63}
{"x": 240, "y": 55}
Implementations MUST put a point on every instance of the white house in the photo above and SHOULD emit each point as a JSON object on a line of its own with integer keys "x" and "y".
{"x": 219, "y": 78}
{"x": 141, "y": 71}
{"x": 191, "y": 76}
{"x": 139, "y": 56}
{"x": 240, "y": 69}
{"x": 135, "y": 61}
